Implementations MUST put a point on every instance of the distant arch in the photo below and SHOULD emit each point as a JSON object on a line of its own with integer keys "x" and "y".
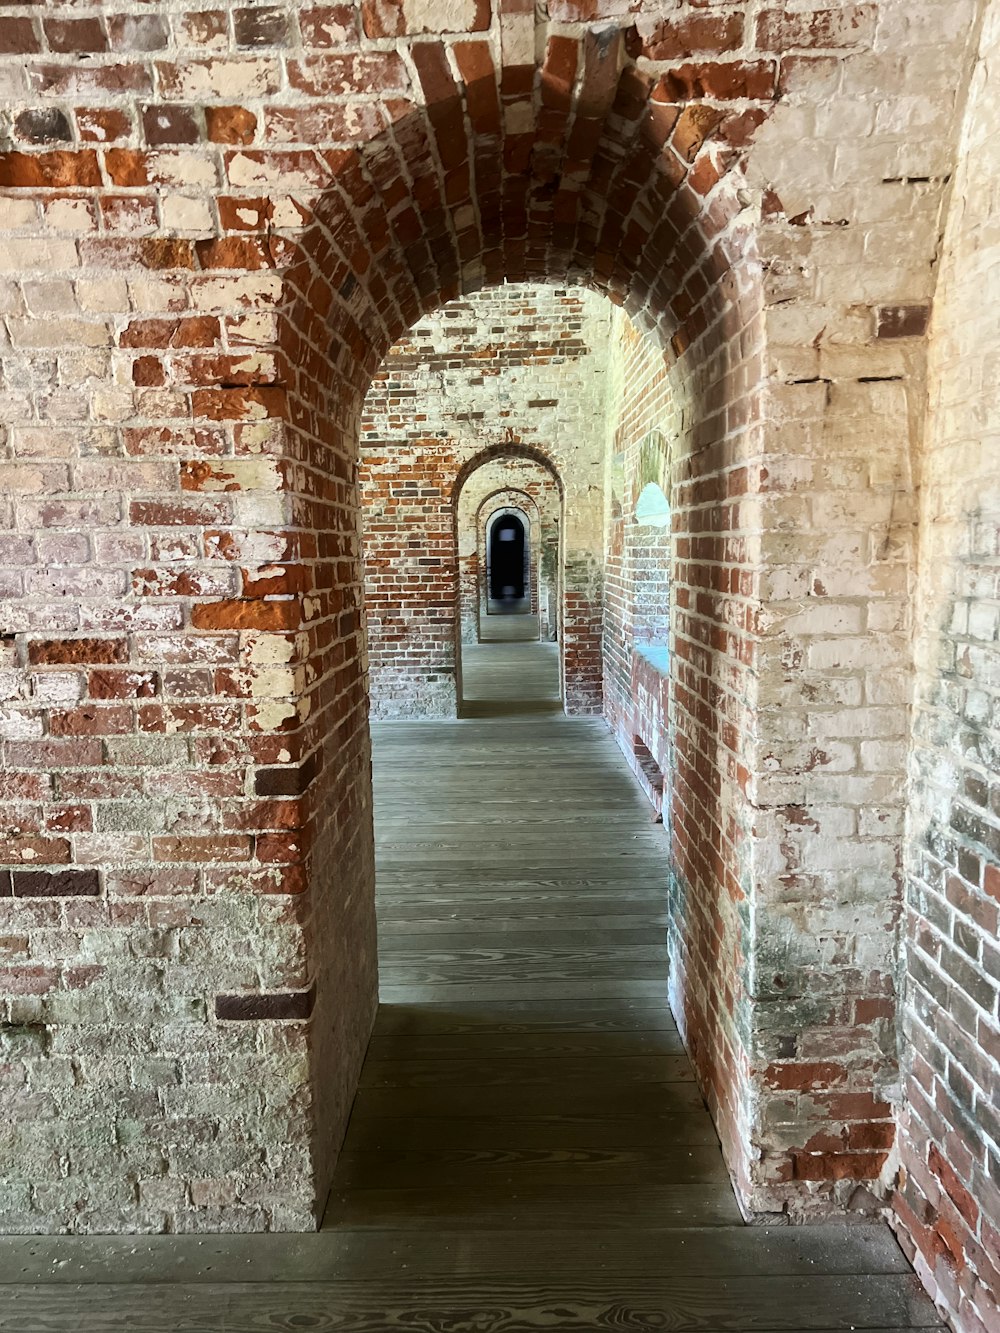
{"x": 508, "y": 555}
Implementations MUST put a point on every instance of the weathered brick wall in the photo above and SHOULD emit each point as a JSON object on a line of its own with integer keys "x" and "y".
{"x": 842, "y": 416}
{"x": 522, "y": 366}
{"x": 948, "y": 1201}
{"x": 216, "y": 225}
{"x": 643, "y": 425}
{"x": 682, "y": 420}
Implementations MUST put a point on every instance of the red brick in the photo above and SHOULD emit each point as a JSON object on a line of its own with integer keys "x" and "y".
{"x": 57, "y": 652}
{"x": 230, "y": 124}
{"x": 837, "y": 1166}
{"x": 238, "y": 404}
{"x": 953, "y": 1187}
{"x": 679, "y": 39}
{"x": 103, "y": 124}
{"x": 165, "y": 123}
{"x": 805, "y": 1077}
{"x": 185, "y": 331}
{"x": 19, "y": 36}
{"x": 879, "y": 1134}
{"x": 275, "y": 581}
{"x": 237, "y": 614}
{"x": 90, "y": 721}
{"x": 234, "y": 252}
{"x": 48, "y": 170}
{"x": 261, "y": 816}
{"x": 694, "y": 125}
{"x": 147, "y": 371}
{"x": 69, "y": 819}
{"x": 475, "y": 63}
{"x": 329, "y": 25}
{"x": 75, "y": 36}
{"x": 722, "y": 81}
{"x": 17, "y": 849}
{"x": 280, "y": 847}
{"x": 215, "y": 848}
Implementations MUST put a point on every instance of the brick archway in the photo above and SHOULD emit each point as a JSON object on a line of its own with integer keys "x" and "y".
{"x": 198, "y": 691}
{"x": 601, "y": 174}
{"x": 526, "y": 508}
{"x": 374, "y": 258}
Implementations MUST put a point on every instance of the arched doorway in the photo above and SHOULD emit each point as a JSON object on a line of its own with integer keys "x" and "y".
{"x": 507, "y": 559}
{"x": 632, "y": 184}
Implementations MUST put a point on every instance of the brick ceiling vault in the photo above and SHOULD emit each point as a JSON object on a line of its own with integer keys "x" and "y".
{"x": 607, "y": 164}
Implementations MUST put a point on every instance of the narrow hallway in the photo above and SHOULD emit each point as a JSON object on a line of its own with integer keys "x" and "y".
{"x": 528, "y": 1148}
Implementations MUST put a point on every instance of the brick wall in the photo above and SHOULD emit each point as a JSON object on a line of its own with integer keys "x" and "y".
{"x": 216, "y": 224}
{"x": 841, "y": 420}
{"x": 642, "y": 425}
{"x": 948, "y": 1200}
{"x": 520, "y": 366}
{"x": 679, "y": 419}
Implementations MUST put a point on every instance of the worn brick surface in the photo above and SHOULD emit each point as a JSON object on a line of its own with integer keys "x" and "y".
{"x": 948, "y": 1198}
{"x": 216, "y": 224}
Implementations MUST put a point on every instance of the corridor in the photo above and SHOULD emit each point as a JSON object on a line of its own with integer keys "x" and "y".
{"x": 528, "y": 1148}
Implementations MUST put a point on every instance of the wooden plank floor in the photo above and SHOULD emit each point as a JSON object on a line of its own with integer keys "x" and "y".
{"x": 506, "y": 622}
{"x": 528, "y": 1149}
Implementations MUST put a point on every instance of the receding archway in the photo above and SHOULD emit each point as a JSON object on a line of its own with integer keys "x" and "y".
{"x": 508, "y": 555}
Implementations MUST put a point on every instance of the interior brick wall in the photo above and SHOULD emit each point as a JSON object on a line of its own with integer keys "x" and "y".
{"x": 642, "y": 424}
{"x": 680, "y": 419}
{"x": 948, "y": 1199}
{"x": 216, "y": 224}
{"x": 843, "y": 415}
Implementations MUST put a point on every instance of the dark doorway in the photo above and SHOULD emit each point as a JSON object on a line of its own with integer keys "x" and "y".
{"x": 507, "y": 559}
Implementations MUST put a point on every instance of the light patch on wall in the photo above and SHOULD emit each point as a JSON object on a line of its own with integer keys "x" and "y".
{"x": 652, "y": 509}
